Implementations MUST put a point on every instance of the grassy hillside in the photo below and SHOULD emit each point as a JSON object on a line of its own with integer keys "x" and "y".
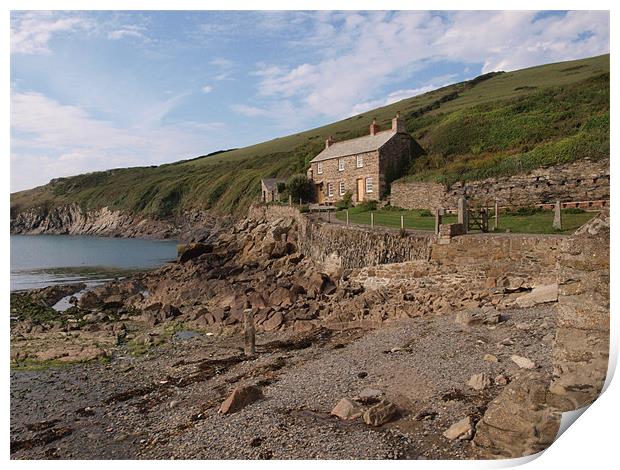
{"x": 496, "y": 124}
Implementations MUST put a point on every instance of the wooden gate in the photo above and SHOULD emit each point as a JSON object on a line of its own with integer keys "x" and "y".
{"x": 478, "y": 219}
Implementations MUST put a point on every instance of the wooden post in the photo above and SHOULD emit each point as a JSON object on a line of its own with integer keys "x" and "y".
{"x": 402, "y": 222}
{"x": 250, "y": 331}
{"x": 300, "y": 201}
{"x": 438, "y": 214}
{"x": 290, "y": 200}
{"x": 496, "y": 222}
{"x": 347, "y": 216}
{"x": 485, "y": 220}
{"x": 557, "y": 216}
{"x": 463, "y": 216}
{"x": 372, "y": 220}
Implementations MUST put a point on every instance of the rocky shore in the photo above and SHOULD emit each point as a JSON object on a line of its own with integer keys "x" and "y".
{"x": 152, "y": 366}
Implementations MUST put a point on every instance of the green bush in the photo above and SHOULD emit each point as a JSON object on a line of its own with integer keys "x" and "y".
{"x": 300, "y": 187}
{"x": 425, "y": 213}
{"x": 345, "y": 202}
{"x": 523, "y": 211}
{"x": 370, "y": 205}
{"x": 573, "y": 210}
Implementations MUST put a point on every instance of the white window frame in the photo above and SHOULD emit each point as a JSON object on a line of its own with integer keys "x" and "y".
{"x": 368, "y": 183}
{"x": 330, "y": 189}
{"x": 342, "y": 188}
{"x": 360, "y": 161}
{"x": 341, "y": 164}
{"x": 319, "y": 168}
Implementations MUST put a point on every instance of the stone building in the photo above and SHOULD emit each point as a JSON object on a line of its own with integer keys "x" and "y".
{"x": 364, "y": 166}
{"x": 269, "y": 189}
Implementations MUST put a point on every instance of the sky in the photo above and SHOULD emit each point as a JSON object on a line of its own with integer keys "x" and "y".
{"x": 108, "y": 89}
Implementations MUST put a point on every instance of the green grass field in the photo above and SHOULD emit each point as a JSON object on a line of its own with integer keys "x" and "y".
{"x": 497, "y": 124}
{"x": 541, "y": 222}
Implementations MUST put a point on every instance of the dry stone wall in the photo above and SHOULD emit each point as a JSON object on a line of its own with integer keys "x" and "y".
{"x": 580, "y": 181}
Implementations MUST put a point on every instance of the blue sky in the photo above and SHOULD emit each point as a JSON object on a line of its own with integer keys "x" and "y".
{"x": 98, "y": 90}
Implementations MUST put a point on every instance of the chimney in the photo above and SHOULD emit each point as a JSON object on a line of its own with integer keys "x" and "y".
{"x": 329, "y": 141}
{"x": 374, "y": 127}
{"x": 398, "y": 123}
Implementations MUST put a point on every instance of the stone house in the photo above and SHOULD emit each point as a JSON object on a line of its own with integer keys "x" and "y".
{"x": 269, "y": 189}
{"x": 364, "y": 166}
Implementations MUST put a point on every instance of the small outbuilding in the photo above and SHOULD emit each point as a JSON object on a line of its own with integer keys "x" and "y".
{"x": 269, "y": 187}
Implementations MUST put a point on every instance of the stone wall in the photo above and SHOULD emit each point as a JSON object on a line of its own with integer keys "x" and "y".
{"x": 581, "y": 351}
{"x": 580, "y": 181}
{"x": 418, "y": 195}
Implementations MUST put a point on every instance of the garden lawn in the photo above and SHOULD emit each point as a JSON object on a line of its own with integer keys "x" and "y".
{"x": 541, "y": 222}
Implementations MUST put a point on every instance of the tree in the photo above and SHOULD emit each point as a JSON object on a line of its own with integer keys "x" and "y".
{"x": 300, "y": 187}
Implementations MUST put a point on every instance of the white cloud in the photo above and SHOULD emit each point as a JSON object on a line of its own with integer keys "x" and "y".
{"x": 127, "y": 31}
{"x": 207, "y": 89}
{"x": 31, "y": 32}
{"x": 361, "y": 55}
{"x": 61, "y": 140}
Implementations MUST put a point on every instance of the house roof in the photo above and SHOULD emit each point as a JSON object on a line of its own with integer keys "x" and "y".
{"x": 271, "y": 183}
{"x": 367, "y": 143}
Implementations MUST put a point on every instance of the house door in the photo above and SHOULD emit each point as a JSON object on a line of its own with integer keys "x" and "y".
{"x": 360, "y": 190}
{"x": 319, "y": 193}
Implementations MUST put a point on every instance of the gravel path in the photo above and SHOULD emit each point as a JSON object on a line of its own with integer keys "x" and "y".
{"x": 164, "y": 405}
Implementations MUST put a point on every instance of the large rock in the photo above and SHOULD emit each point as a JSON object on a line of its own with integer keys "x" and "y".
{"x": 240, "y": 398}
{"x": 346, "y": 409}
{"x": 381, "y": 413}
{"x": 273, "y": 322}
{"x": 192, "y": 250}
{"x": 538, "y": 295}
{"x": 523, "y": 362}
{"x": 477, "y": 316}
{"x": 519, "y": 421}
{"x": 479, "y": 381}
{"x": 460, "y": 430}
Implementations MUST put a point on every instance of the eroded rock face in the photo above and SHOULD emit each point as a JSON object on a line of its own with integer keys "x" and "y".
{"x": 581, "y": 350}
{"x": 381, "y": 413}
{"x": 538, "y": 295}
{"x": 519, "y": 421}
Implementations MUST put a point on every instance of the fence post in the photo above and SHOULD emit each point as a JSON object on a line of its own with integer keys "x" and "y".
{"x": 402, "y": 222}
{"x": 300, "y": 201}
{"x": 290, "y": 200}
{"x": 496, "y": 222}
{"x": 250, "y": 331}
{"x": 557, "y": 216}
{"x": 329, "y": 216}
{"x": 347, "y": 216}
{"x": 372, "y": 220}
{"x": 463, "y": 216}
{"x": 438, "y": 214}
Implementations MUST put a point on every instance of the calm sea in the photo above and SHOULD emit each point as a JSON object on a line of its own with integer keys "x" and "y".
{"x": 42, "y": 260}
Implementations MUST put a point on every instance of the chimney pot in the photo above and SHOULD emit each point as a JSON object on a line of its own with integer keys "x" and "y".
{"x": 374, "y": 127}
{"x": 329, "y": 141}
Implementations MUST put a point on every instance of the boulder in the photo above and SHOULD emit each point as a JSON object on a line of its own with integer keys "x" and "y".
{"x": 346, "y": 409}
{"x": 539, "y": 295}
{"x": 273, "y": 322}
{"x": 479, "y": 381}
{"x": 381, "y": 413}
{"x": 369, "y": 395}
{"x": 240, "y": 398}
{"x": 192, "y": 250}
{"x": 477, "y": 316}
{"x": 523, "y": 362}
{"x": 519, "y": 421}
{"x": 89, "y": 300}
{"x": 461, "y": 430}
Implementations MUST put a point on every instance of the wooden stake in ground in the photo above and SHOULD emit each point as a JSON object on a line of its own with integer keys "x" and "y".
{"x": 496, "y": 224}
{"x": 250, "y": 331}
{"x": 557, "y": 216}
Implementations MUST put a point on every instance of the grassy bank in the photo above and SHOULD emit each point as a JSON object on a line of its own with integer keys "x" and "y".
{"x": 496, "y": 124}
{"x": 539, "y": 222}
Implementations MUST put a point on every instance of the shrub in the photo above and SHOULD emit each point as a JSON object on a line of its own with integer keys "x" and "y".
{"x": 367, "y": 205}
{"x": 522, "y": 211}
{"x": 300, "y": 187}
{"x": 574, "y": 210}
{"x": 281, "y": 186}
{"x": 345, "y": 202}
{"x": 425, "y": 213}
{"x": 304, "y": 208}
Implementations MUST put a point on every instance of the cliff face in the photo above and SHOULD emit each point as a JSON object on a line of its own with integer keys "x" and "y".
{"x": 72, "y": 220}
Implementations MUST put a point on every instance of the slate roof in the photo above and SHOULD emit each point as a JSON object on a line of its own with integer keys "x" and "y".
{"x": 270, "y": 183}
{"x": 367, "y": 143}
